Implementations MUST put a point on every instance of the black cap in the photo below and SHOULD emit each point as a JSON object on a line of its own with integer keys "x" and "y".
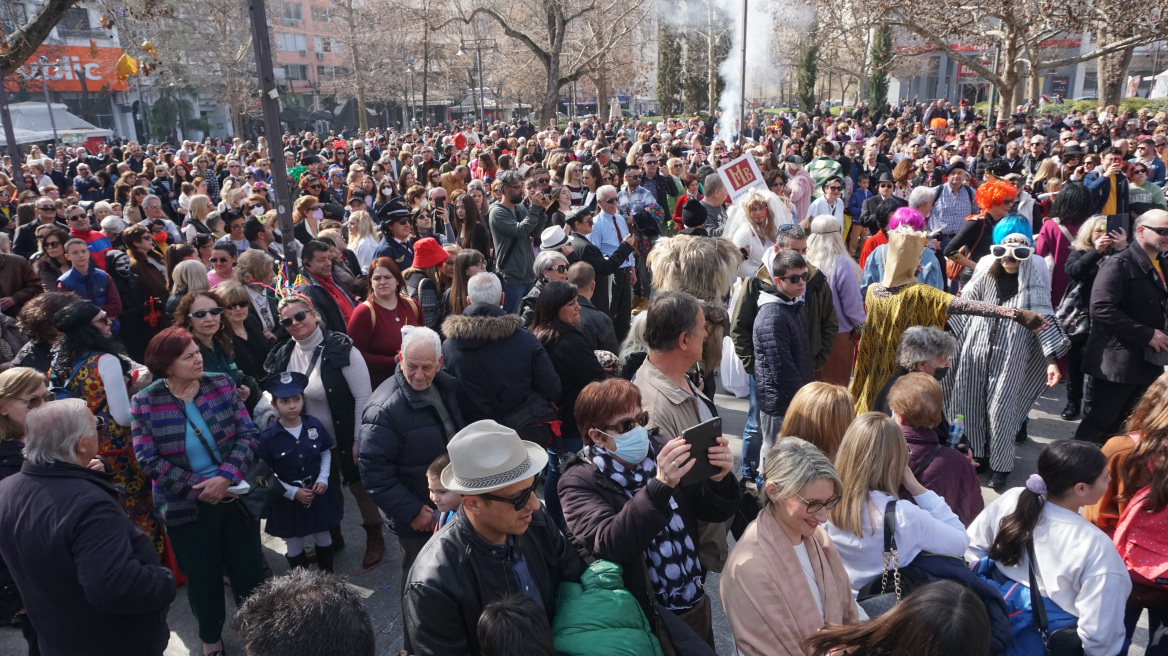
{"x": 577, "y": 215}
{"x": 886, "y": 177}
{"x": 793, "y": 159}
{"x": 75, "y": 315}
{"x": 694, "y": 214}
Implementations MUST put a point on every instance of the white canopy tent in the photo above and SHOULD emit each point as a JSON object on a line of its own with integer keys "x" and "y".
{"x": 31, "y": 124}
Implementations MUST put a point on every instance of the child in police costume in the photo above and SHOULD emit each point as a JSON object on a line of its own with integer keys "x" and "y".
{"x": 297, "y": 446}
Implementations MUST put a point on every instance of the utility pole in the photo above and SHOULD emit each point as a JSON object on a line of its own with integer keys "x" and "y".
{"x": 10, "y": 138}
{"x": 742, "y": 81}
{"x": 270, "y": 102}
{"x": 44, "y": 64}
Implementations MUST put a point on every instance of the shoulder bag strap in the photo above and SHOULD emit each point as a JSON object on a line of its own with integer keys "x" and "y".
{"x": 891, "y": 557}
{"x": 211, "y": 450}
{"x": 1036, "y": 604}
{"x": 928, "y": 461}
{"x": 1066, "y": 233}
{"x": 372, "y": 313}
{"x": 315, "y": 356}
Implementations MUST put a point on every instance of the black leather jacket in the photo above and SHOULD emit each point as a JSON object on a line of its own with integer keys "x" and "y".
{"x": 458, "y": 573}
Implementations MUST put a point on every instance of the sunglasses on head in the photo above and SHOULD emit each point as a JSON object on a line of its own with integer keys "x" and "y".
{"x": 202, "y": 314}
{"x": 628, "y": 424}
{"x": 520, "y": 500}
{"x": 795, "y": 278}
{"x": 1017, "y": 252}
{"x": 295, "y": 318}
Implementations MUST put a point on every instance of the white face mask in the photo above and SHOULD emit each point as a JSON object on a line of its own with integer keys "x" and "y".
{"x": 257, "y": 211}
{"x": 387, "y": 192}
{"x": 425, "y": 203}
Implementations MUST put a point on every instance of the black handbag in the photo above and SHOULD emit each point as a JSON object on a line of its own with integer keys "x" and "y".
{"x": 263, "y": 485}
{"x": 1064, "y": 641}
{"x": 878, "y": 596}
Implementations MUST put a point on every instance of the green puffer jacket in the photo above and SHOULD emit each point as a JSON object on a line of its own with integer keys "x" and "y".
{"x": 599, "y": 617}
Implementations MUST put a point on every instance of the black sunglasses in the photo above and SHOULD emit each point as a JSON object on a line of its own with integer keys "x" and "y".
{"x": 52, "y": 244}
{"x": 626, "y": 425}
{"x": 217, "y": 260}
{"x": 202, "y": 314}
{"x": 296, "y": 318}
{"x": 237, "y": 306}
{"x": 795, "y": 278}
{"x": 1163, "y": 232}
{"x": 520, "y": 500}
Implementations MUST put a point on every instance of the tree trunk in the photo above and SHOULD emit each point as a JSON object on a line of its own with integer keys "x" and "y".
{"x": 1112, "y": 73}
{"x": 600, "y": 81}
{"x": 711, "y": 63}
{"x": 234, "y": 106}
{"x": 551, "y": 94}
{"x": 1008, "y": 86}
{"x": 358, "y": 75}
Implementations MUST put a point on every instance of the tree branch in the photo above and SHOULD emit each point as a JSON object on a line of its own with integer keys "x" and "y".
{"x": 21, "y": 44}
{"x": 507, "y": 29}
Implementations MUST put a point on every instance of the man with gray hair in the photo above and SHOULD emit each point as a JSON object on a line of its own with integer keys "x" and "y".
{"x": 153, "y": 207}
{"x": 609, "y": 229}
{"x": 405, "y": 427}
{"x": 89, "y": 577}
{"x": 482, "y": 344}
{"x": 714, "y": 200}
{"x": 512, "y": 226}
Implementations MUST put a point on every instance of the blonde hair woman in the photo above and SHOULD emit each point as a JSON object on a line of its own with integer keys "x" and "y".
{"x": 197, "y": 210}
{"x": 873, "y": 463}
{"x": 363, "y": 238}
{"x": 827, "y": 252}
{"x": 188, "y": 276}
{"x": 753, "y": 225}
{"x": 820, "y": 413}
{"x": 785, "y": 580}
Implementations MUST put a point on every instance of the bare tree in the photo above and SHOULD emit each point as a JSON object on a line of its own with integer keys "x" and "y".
{"x": 551, "y": 30}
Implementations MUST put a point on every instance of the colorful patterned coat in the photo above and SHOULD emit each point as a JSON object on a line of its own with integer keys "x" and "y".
{"x": 159, "y": 433}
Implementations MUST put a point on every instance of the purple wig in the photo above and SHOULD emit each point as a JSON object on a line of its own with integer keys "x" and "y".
{"x": 907, "y": 216}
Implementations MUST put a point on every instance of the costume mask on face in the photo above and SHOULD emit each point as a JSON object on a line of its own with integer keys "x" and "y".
{"x": 121, "y": 263}
{"x": 904, "y": 255}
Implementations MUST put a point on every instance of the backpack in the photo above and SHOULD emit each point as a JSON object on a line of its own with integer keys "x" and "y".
{"x": 1142, "y": 541}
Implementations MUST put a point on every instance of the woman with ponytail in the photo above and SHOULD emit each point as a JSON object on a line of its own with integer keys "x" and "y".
{"x": 1081, "y": 576}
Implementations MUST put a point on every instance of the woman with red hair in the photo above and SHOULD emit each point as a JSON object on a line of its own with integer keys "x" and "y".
{"x": 973, "y": 241}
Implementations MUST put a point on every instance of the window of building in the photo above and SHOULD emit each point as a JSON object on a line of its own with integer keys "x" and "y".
{"x": 296, "y": 72}
{"x": 323, "y": 14}
{"x": 327, "y": 73}
{"x": 290, "y": 13}
{"x": 327, "y": 44}
{"x": 75, "y": 21}
{"x": 291, "y": 42}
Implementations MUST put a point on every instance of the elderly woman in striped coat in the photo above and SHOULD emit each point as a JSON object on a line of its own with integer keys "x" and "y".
{"x": 1000, "y": 366}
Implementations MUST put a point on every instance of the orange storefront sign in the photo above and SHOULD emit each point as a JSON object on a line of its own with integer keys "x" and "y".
{"x": 69, "y": 68}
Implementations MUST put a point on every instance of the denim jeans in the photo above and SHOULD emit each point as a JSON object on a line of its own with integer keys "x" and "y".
{"x": 513, "y": 295}
{"x": 751, "y": 436}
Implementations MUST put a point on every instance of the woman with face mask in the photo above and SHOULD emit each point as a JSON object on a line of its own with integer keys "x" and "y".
{"x": 622, "y": 500}
{"x": 1002, "y": 365}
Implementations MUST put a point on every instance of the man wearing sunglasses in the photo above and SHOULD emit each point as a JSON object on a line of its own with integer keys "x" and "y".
{"x": 25, "y": 242}
{"x": 1129, "y": 336}
{"x": 502, "y": 542}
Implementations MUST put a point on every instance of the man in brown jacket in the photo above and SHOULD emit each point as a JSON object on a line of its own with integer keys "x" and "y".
{"x": 18, "y": 283}
{"x": 674, "y": 330}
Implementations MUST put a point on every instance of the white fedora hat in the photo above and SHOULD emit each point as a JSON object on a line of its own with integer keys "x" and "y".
{"x": 487, "y": 456}
{"x": 552, "y": 238}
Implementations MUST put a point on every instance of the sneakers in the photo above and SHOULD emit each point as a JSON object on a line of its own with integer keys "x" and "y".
{"x": 1071, "y": 411}
{"x": 998, "y": 481}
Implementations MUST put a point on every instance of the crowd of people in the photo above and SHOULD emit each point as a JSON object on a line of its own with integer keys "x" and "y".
{"x": 505, "y": 343}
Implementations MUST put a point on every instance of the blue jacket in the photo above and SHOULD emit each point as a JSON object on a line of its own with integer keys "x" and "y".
{"x": 401, "y": 254}
{"x": 856, "y": 201}
{"x": 1097, "y": 184}
{"x": 782, "y": 354}
{"x": 97, "y": 287}
{"x": 400, "y": 435}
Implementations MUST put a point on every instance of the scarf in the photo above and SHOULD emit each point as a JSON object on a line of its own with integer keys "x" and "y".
{"x": 672, "y": 558}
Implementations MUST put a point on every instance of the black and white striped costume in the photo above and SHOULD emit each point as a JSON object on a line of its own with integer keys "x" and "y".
{"x": 1000, "y": 366}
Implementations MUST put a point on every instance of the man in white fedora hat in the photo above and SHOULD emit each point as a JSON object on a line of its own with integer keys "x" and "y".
{"x": 501, "y": 542}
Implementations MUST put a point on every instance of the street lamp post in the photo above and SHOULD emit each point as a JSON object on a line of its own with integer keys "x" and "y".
{"x": 44, "y": 65}
{"x": 413, "y": 98}
{"x": 478, "y": 45}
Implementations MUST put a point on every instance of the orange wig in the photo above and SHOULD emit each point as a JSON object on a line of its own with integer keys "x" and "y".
{"x": 994, "y": 193}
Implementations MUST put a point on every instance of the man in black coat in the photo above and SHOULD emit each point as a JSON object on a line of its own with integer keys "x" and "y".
{"x": 1129, "y": 303}
{"x": 405, "y": 427}
{"x": 499, "y": 366}
{"x": 868, "y": 214}
{"x": 89, "y": 577}
{"x": 579, "y": 226}
{"x": 326, "y": 295}
{"x": 500, "y": 542}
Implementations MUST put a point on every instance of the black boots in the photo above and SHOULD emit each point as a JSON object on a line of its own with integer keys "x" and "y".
{"x": 1071, "y": 411}
{"x": 324, "y": 558}
{"x": 300, "y": 560}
